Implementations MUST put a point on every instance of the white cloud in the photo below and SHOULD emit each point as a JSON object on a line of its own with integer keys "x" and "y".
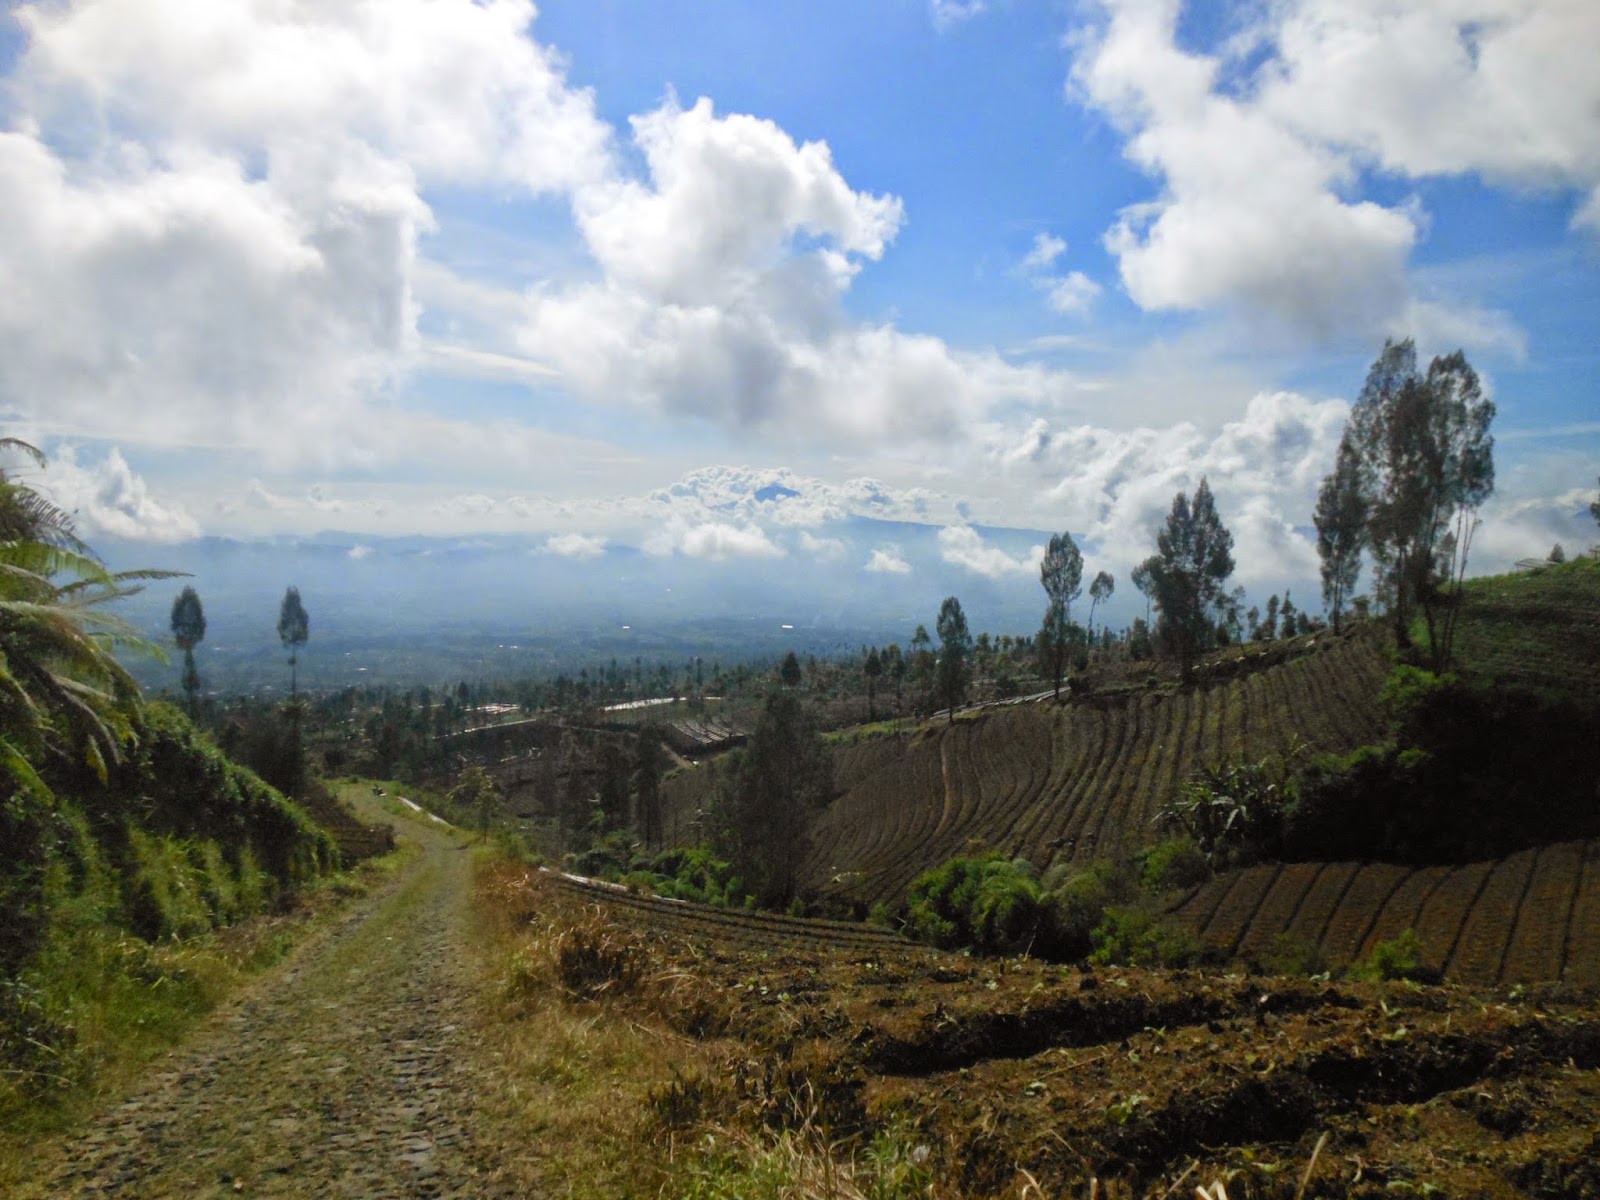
{"x": 825, "y": 548}
{"x": 714, "y": 541}
{"x": 1261, "y": 144}
{"x": 947, "y": 14}
{"x": 107, "y": 497}
{"x": 887, "y": 560}
{"x": 1044, "y": 252}
{"x": 1117, "y": 485}
{"x": 575, "y": 545}
{"x": 963, "y": 546}
{"x": 1072, "y": 293}
{"x": 723, "y": 274}
{"x": 218, "y": 206}
{"x": 360, "y": 553}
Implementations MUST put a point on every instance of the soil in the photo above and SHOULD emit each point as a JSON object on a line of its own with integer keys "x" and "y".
{"x": 346, "y": 1072}
{"x": 1016, "y": 1071}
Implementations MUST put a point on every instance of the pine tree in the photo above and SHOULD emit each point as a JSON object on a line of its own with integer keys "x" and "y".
{"x": 189, "y": 630}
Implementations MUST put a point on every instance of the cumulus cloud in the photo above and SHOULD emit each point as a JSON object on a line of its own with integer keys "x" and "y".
{"x": 826, "y": 548}
{"x": 947, "y": 14}
{"x": 720, "y": 298}
{"x": 218, "y": 206}
{"x": 1071, "y": 293}
{"x": 963, "y": 546}
{"x": 714, "y": 541}
{"x": 1261, "y": 145}
{"x": 777, "y": 496}
{"x": 107, "y": 497}
{"x": 360, "y": 553}
{"x": 887, "y": 560}
{"x": 575, "y": 545}
{"x": 1117, "y": 485}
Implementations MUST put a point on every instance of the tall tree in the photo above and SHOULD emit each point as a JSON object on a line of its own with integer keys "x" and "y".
{"x": 1141, "y": 581}
{"x": 649, "y": 764}
{"x": 294, "y": 630}
{"x": 762, "y": 812}
{"x": 1341, "y": 521}
{"x": 1099, "y": 592}
{"x": 1061, "y": 575}
{"x": 789, "y": 671}
{"x": 1594, "y": 509}
{"x": 872, "y": 668}
{"x": 955, "y": 652}
{"x": 1427, "y": 464}
{"x": 189, "y": 630}
{"x": 1187, "y": 576}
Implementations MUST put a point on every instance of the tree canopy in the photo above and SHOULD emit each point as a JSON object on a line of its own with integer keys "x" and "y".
{"x": 955, "y": 653}
{"x": 1061, "y": 574}
{"x": 1187, "y": 574}
{"x": 1425, "y": 464}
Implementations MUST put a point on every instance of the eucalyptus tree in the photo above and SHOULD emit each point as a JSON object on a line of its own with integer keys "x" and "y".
{"x": 189, "y": 630}
{"x": 1426, "y": 465}
{"x": 1187, "y": 577}
{"x": 1061, "y": 575}
{"x": 954, "y": 671}
{"x": 1341, "y": 521}
{"x": 1099, "y": 592}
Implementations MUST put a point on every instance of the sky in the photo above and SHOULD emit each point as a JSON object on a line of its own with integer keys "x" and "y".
{"x": 708, "y": 278}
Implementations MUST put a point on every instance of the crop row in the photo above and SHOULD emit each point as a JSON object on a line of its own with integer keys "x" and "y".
{"x": 738, "y": 927}
{"x": 1532, "y": 917}
{"x": 1079, "y": 781}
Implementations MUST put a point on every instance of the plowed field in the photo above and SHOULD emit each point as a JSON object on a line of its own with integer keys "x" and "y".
{"x": 1022, "y": 1078}
{"x": 1530, "y": 918}
{"x": 1077, "y": 781}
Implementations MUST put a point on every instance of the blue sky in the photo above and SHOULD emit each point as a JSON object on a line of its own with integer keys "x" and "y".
{"x": 584, "y": 272}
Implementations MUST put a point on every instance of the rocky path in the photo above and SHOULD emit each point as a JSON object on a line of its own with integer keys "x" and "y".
{"x": 345, "y": 1073}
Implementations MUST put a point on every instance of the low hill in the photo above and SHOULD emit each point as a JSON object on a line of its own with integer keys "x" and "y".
{"x": 1539, "y": 628}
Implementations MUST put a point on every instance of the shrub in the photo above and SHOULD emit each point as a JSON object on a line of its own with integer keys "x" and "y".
{"x": 988, "y": 903}
{"x": 1397, "y": 958}
{"x": 1136, "y": 936}
{"x": 1173, "y": 865}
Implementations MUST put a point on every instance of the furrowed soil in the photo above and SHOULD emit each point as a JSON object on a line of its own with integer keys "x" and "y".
{"x": 1017, "y": 1077}
{"x": 348, "y": 1071}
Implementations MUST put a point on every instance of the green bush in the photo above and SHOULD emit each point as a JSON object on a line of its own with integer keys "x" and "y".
{"x": 1173, "y": 865}
{"x": 1397, "y": 958}
{"x": 1136, "y": 936}
{"x": 988, "y": 902}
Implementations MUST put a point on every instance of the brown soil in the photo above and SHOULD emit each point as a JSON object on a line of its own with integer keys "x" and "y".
{"x": 348, "y": 1072}
{"x": 1016, "y": 1071}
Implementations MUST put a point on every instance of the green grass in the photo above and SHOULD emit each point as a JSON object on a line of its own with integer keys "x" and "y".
{"x": 1540, "y": 628}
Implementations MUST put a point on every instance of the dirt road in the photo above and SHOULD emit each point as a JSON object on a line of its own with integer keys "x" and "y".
{"x": 346, "y": 1072}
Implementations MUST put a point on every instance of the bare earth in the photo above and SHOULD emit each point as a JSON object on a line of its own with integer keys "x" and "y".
{"x": 347, "y": 1072}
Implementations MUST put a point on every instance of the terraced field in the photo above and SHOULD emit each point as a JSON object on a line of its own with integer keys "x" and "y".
{"x": 741, "y": 928}
{"x": 1078, "y": 781}
{"x": 1540, "y": 628}
{"x": 1023, "y": 1078}
{"x": 1530, "y": 918}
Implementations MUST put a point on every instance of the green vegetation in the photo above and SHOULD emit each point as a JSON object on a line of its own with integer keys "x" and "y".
{"x": 1186, "y": 577}
{"x": 1107, "y": 912}
{"x": 1397, "y": 958}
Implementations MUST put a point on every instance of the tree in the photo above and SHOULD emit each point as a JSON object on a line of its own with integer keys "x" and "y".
{"x": 764, "y": 805}
{"x": 294, "y": 630}
{"x": 1187, "y": 574}
{"x": 1141, "y": 581}
{"x": 1099, "y": 592}
{"x": 921, "y": 654}
{"x": 872, "y": 668}
{"x": 1341, "y": 521}
{"x": 476, "y": 793}
{"x": 1427, "y": 464}
{"x": 189, "y": 630}
{"x": 1594, "y": 509}
{"x": 789, "y": 672}
{"x": 649, "y": 764}
{"x": 1061, "y": 575}
{"x": 955, "y": 651}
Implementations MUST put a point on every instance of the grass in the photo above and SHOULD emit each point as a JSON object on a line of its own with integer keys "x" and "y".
{"x": 121, "y": 1001}
{"x": 587, "y": 1068}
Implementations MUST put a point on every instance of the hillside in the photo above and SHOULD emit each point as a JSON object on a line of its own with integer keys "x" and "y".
{"x": 1532, "y": 917}
{"x": 1538, "y": 628}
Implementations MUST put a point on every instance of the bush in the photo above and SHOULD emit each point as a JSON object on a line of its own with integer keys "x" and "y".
{"x": 1077, "y": 904}
{"x": 1173, "y": 865}
{"x": 1136, "y": 936}
{"x": 1398, "y": 958}
{"x": 988, "y": 903}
